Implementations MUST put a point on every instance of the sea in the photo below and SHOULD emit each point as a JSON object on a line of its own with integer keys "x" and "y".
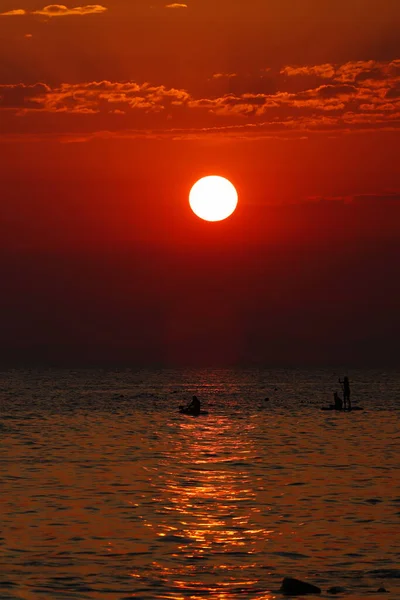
{"x": 107, "y": 492}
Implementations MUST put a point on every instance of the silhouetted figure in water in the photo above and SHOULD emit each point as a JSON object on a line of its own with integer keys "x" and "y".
{"x": 338, "y": 401}
{"x": 193, "y": 408}
{"x": 346, "y": 392}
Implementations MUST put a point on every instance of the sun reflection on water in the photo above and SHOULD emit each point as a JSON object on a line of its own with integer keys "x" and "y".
{"x": 208, "y": 508}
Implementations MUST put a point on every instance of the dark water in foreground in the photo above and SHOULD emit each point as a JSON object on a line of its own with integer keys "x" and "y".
{"x": 108, "y": 493}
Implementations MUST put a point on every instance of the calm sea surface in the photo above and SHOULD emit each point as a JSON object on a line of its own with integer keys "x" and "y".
{"x": 107, "y": 492}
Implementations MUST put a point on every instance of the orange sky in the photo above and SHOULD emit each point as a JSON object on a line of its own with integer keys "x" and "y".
{"x": 109, "y": 113}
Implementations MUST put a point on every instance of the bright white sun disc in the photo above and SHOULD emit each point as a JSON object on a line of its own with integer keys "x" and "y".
{"x": 213, "y": 198}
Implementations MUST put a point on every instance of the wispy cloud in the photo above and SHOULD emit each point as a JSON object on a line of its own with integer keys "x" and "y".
{"x": 224, "y": 75}
{"x": 58, "y": 10}
{"x": 352, "y": 71}
{"x": 386, "y": 199}
{"x": 176, "y": 5}
{"x": 14, "y": 13}
{"x": 324, "y": 71}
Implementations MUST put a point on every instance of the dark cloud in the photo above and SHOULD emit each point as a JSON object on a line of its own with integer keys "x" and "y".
{"x": 23, "y": 96}
{"x": 393, "y": 92}
{"x": 333, "y": 91}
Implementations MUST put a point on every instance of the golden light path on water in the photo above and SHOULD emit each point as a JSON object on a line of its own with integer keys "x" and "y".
{"x": 208, "y": 509}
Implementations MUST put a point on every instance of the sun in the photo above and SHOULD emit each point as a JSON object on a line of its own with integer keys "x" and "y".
{"x": 213, "y": 198}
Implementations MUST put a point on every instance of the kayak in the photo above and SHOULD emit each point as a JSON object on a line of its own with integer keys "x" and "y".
{"x": 332, "y": 407}
{"x": 185, "y": 411}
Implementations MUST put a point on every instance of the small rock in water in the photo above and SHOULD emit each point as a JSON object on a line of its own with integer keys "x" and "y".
{"x": 382, "y": 590}
{"x": 292, "y": 587}
{"x": 336, "y": 589}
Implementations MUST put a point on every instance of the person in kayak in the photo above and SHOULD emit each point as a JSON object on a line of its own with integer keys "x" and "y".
{"x": 194, "y": 406}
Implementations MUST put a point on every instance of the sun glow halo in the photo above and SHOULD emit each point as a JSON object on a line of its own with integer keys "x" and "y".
{"x": 213, "y": 198}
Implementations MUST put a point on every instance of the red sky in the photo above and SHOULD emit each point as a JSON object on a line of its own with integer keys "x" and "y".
{"x": 110, "y": 112}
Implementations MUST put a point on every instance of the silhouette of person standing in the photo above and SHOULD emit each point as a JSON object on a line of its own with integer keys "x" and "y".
{"x": 346, "y": 392}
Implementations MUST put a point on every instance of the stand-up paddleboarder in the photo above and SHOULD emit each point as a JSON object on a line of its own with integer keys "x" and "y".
{"x": 346, "y": 392}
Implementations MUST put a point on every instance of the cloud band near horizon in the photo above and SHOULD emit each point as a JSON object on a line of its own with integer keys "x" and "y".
{"x": 353, "y": 96}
